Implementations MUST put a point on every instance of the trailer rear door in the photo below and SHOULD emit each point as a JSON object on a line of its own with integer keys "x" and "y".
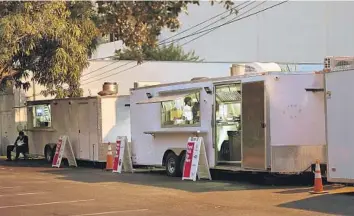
{"x": 84, "y": 133}
{"x": 340, "y": 125}
{"x": 253, "y": 126}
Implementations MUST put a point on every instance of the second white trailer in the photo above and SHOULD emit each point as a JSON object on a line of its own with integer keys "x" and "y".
{"x": 339, "y": 125}
{"x": 271, "y": 122}
{"x": 89, "y": 122}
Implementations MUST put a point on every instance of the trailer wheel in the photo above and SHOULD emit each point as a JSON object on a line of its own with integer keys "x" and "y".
{"x": 172, "y": 165}
{"x": 182, "y": 159}
{"x": 48, "y": 153}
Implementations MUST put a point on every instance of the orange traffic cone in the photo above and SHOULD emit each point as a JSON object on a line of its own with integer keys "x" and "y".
{"x": 109, "y": 161}
{"x": 318, "y": 187}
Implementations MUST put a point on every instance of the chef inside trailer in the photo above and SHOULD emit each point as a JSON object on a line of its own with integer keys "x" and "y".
{"x": 183, "y": 111}
{"x": 187, "y": 110}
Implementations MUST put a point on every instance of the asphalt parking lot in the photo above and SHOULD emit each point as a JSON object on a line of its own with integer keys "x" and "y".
{"x": 34, "y": 188}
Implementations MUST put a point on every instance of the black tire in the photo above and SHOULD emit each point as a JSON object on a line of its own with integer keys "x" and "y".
{"x": 49, "y": 153}
{"x": 173, "y": 165}
{"x": 182, "y": 159}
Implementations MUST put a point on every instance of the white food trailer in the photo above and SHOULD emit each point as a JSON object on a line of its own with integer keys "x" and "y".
{"x": 269, "y": 122}
{"x": 339, "y": 106}
{"x": 90, "y": 122}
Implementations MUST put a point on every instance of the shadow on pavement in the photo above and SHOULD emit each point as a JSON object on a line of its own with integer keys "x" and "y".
{"x": 307, "y": 189}
{"x": 156, "y": 178}
{"x": 24, "y": 163}
{"x": 222, "y": 180}
{"x": 337, "y": 204}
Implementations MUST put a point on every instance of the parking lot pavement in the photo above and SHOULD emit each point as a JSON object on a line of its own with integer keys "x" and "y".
{"x": 34, "y": 188}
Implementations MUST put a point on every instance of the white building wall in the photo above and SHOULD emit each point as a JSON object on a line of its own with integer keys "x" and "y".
{"x": 296, "y": 31}
{"x": 106, "y": 50}
{"x": 125, "y": 73}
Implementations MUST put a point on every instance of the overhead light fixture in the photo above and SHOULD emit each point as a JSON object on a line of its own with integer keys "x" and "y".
{"x": 148, "y": 95}
{"x": 207, "y": 90}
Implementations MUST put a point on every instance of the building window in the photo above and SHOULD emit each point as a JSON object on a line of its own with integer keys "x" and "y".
{"x": 183, "y": 111}
{"x": 42, "y": 116}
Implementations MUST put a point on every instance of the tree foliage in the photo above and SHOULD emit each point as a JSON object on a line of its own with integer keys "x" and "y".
{"x": 171, "y": 52}
{"x": 51, "y": 41}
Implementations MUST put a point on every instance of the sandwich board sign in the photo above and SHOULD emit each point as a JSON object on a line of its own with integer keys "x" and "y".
{"x": 196, "y": 162}
{"x": 64, "y": 147}
{"x": 122, "y": 158}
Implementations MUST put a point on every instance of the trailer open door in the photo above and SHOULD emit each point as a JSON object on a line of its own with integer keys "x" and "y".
{"x": 253, "y": 126}
{"x": 340, "y": 126}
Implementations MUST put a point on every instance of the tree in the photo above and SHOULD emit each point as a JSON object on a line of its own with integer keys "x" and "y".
{"x": 170, "y": 52}
{"x": 49, "y": 41}
{"x": 52, "y": 40}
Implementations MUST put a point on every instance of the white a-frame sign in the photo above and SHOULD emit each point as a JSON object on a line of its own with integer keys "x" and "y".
{"x": 122, "y": 158}
{"x": 64, "y": 147}
{"x": 196, "y": 162}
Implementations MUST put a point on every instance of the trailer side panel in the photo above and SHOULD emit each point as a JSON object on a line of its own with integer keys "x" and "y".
{"x": 297, "y": 121}
{"x": 340, "y": 127}
{"x": 148, "y": 149}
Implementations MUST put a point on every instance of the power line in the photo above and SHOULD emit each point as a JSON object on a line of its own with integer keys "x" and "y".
{"x": 207, "y": 30}
{"x": 110, "y": 69}
{"x": 99, "y": 68}
{"x": 172, "y": 41}
{"x": 232, "y": 21}
{"x": 201, "y": 23}
{"x": 215, "y": 29}
{"x": 112, "y": 74}
{"x": 233, "y": 8}
{"x": 255, "y": 13}
{"x": 220, "y": 14}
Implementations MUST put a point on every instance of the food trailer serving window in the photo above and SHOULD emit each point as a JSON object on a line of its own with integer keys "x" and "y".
{"x": 42, "y": 116}
{"x": 178, "y": 109}
{"x": 182, "y": 111}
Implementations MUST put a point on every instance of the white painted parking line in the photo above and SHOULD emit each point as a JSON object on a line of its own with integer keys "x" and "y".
{"x": 36, "y": 182}
{"x": 22, "y": 194}
{"x": 112, "y": 212}
{"x": 33, "y": 182}
{"x": 9, "y": 187}
{"x": 49, "y": 203}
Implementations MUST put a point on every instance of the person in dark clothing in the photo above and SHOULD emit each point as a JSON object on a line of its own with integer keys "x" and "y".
{"x": 21, "y": 145}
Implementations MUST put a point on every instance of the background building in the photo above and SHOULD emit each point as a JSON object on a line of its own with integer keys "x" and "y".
{"x": 293, "y": 32}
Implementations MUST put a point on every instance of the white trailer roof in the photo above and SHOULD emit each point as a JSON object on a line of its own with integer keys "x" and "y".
{"x": 226, "y": 78}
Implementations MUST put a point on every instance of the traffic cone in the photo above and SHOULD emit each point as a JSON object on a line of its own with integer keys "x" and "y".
{"x": 109, "y": 161}
{"x": 318, "y": 186}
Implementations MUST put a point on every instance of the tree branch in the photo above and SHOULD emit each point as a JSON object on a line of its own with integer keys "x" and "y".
{"x": 7, "y": 74}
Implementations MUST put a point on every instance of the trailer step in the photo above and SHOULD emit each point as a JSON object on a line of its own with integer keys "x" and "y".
{"x": 236, "y": 168}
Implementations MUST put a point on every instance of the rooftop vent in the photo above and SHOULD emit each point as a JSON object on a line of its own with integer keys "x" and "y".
{"x": 199, "y": 78}
{"x": 109, "y": 88}
{"x": 339, "y": 63}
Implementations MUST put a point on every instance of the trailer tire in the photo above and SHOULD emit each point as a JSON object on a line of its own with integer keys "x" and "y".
{"x": 182, "y": 157}
{"x": 49, "y": 153}
{"x": 172, "y": 165}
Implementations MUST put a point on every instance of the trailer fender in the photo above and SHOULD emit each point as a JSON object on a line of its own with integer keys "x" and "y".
{"x": 178, "y": 151}
{"x": 49, "y": 151}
